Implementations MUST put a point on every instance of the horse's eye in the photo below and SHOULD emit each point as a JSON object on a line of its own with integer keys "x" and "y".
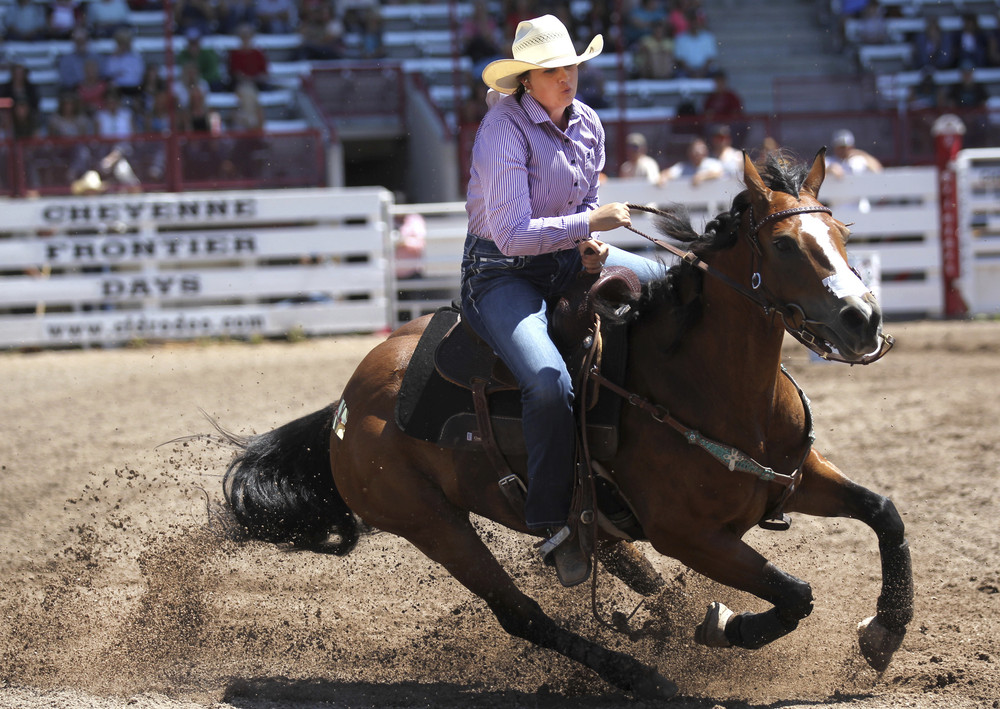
{"x": 784, "y": 244}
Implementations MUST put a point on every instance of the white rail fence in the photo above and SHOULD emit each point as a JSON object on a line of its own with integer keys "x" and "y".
{"x": 114, "y": 269}
{"x": 117, "y": 268}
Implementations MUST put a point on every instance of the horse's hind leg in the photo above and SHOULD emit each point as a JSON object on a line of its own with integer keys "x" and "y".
{"x": 827, "y": 492}
{"x": 450, "y": 539}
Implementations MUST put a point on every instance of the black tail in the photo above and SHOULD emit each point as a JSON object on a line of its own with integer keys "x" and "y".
{"x": 280, "y": 487}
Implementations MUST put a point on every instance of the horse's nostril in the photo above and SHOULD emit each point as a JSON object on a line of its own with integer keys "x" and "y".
{"x": 854, "y": 319}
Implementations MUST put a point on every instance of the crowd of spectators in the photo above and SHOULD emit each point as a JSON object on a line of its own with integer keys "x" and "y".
{"x": 967, "y": 48}
{"x": 120, "y": 92}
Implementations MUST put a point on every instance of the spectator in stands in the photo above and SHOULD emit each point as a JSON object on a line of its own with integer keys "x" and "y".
{"x": 697, "y": 167}
{"x": 277, "y": 16}
{"x": 19, "y": 88}
{"x": 646, "y": 15}
{"x": 768, "y": 147}
{"x": 248, "y": 114}
{"x": 187, "y": 81}
{"x": 590, "y": 85}
{"x": 124, "y": 68}
{"x": 93, "y": 90}
{"x": 198, "y": 117}
{"x": 677, "y": 16}
{"x": 873, "y": 27}
{"x": 926, "y": 93}
{"x": 106, "y": 17}
{"x": 62, "y": 18}
{"x": 115, "y": 119}
{"x": 481, "y": 40}
{"x": 205, "y": 58}
{"x": 933, "y": 48}
{"x": 196, "y": 15}
{"x": 597, "y": 20}
{"x": 69, "y": 120}
{"x": 23, "y": 121}
{"x": 70, "y": 65}
{"x": 967, "y": 93}
{"x": 515, "y": 12}
{"x": 247, "y": 61}
{"x": 654, "y": 53}
{"x": 722, "y": 103}
{"x": 233, "y": 14}
{"x": 25, "y": 21}
{"x": 696, "y": 50}
{"x": 157, "y": 119}
{"x": 322, "y": 33}
{"x": 845, "y": 9}
{"x": 721, "y": 148}
{"x": 972, "y": 44}
{"x": 372, "y": 46}
{"x": 411, "y": 242}
{"x": 847, "y": 159}
{"x": 152, "y": 84}
{"x": 638, "y": 165}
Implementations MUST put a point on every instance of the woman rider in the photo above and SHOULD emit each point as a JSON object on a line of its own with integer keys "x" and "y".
{"x": 533, "y": 211}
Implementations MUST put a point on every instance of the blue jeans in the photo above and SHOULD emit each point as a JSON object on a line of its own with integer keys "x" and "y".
{"x": 504, "y": 300}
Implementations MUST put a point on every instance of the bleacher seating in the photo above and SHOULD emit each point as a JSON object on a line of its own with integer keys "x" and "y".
{"x": 891, "y": 62}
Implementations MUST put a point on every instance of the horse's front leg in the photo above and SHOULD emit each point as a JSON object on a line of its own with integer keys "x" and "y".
{"x": 722, "y": 556}
{"x": 827, "y": 492}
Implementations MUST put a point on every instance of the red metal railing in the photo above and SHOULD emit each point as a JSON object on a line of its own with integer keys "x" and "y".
{"x": 255, "y": 160}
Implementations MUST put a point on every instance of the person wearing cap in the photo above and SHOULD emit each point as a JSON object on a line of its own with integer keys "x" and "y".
{"x": 533, "y": 217}
{"x": 847, "y": 159}
{"x": 205, "y": 58}
{"x": 637, "y": 163}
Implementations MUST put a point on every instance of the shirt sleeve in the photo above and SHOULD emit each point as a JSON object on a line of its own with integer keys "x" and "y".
{"x": 501, "y": 154}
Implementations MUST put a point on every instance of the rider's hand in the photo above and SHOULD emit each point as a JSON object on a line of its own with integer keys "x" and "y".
{"x": 593, "y": 253}
{"x": 610, "y": 216}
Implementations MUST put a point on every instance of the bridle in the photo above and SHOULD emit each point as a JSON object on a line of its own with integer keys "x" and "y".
{"x": 792, "y": 315}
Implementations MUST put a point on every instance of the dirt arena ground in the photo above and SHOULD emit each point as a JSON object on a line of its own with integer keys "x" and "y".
{"x": 118, "y": 590}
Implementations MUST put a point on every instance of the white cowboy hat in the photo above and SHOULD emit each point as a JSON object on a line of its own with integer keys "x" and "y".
{"x": 541, "y": 43}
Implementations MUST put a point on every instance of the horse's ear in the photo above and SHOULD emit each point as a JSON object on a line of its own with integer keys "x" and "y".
{"x": 817, "y": 173}
{"x": 754, "y": 182}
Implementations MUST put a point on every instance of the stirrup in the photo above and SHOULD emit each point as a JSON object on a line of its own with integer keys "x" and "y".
{"x": 549, "y": 545}
{"x": 564, "y": 552}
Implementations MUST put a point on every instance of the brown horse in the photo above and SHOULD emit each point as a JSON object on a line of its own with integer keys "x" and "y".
{"x": 703, "y": 350}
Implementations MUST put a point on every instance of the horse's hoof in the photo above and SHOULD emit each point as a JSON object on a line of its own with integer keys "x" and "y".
{"x": 878, "y": 643}
{"x": 654, "y": 686}
{"x": 712, "y": 631}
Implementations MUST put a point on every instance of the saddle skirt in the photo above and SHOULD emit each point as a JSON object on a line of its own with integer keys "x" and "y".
{"x": 435, "y": 402}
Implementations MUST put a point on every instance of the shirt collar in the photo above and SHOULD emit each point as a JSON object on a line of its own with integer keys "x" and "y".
{"x": 538, "y": 114}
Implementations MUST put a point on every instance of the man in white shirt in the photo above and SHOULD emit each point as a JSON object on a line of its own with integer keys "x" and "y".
{"x": 697, "y": 167}
{"x": 637, "y": 163}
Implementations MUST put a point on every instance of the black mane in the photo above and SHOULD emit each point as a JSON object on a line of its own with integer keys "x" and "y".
{"x": 681, "y": 288}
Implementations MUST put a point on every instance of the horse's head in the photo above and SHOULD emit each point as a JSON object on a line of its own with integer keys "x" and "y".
{"x": 801, "y": 267}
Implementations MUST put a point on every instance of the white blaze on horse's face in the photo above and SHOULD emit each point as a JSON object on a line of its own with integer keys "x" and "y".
{"x": 843, "y": 282}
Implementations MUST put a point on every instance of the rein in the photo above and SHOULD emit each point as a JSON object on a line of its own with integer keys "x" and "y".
{"x": 760, "y": 296}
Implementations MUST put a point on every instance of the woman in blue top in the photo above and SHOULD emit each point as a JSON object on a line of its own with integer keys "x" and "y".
{"x": 533, "y": 210}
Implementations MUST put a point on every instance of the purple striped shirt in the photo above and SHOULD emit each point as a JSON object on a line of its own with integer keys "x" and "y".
{"x": 531, "y": 185}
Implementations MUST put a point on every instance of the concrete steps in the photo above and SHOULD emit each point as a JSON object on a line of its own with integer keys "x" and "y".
{"x": 760, "y": 40}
